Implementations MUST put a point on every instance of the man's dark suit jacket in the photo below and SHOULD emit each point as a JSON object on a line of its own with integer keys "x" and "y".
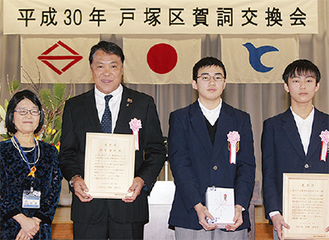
{"x": 80, "y": 116}
{"x": 283, "y": 152}
{"x": 196, "y": 163}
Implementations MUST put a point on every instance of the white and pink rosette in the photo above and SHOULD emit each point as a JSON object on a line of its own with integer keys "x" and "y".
{"x": 135, "y": 124}
{"x": 233, "y": 138}
{"x": 324, "y": 144}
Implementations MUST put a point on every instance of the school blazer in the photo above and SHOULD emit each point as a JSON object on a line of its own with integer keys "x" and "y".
{"x": 196, "y": 163}
{"x": 282, "y": 152}
{"x": 80, "y": 116}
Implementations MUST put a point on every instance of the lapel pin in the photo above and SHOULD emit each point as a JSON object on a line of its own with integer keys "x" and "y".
{"x": 129, "y": 100}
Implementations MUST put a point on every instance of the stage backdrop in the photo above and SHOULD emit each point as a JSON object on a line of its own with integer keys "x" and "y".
{"x": 152, "y": 59}
{"x": 160, "y": 17}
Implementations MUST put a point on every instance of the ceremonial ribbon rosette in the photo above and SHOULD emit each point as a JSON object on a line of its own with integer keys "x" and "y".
{"x": 324, "y": 144}
{"x": 136, "y": 124}
{"x": 233, "y": 138}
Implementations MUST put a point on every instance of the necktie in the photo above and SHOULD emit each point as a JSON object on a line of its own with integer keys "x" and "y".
{"x": 107, "y": 117}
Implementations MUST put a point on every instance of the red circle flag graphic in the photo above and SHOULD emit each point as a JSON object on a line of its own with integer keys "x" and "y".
{"x": 162, "y": 58}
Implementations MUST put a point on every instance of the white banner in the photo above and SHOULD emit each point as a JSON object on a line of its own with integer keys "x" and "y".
{"x": 160, "y": 17}
{"x": 257, "y": 59}
{"x": 160, "y": 60}
{"x": 56, "y": 59}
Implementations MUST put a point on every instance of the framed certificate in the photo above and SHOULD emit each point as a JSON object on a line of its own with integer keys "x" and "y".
{"x": 109, "y": 164}
{"x": 305, "y": 205}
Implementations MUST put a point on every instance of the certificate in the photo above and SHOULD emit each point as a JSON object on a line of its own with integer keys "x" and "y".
{"x": 305, "y": 205}
{"x": 109, "y": 164}
{"x": 220, "y": 204}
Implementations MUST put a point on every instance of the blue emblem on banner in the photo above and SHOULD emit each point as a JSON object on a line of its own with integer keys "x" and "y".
{"x": 255, "y": 55}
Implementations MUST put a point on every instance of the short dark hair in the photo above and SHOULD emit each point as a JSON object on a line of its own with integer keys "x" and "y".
{"x": 109, "y": 48}
{"x": 300, "y": 66}
{"x": 19, "y": 96}
{"x": 207, "y": 62}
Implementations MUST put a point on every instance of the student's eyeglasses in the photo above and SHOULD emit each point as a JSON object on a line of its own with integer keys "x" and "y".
{"x": 218, "y": 77}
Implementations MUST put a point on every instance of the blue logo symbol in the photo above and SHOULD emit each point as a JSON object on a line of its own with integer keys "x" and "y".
{"x": 255, "y": 55}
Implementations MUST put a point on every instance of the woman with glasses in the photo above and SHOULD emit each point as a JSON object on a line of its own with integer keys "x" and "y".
{"x": 30, "y": 178}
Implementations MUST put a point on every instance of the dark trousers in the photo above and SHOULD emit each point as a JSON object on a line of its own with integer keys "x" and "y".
{"x": 107, "y": 228}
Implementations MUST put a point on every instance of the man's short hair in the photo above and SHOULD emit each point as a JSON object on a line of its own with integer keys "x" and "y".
{"x": 301, "y": 67}
{"x": 109, "y": 48}
{"x": 207, "y": 62}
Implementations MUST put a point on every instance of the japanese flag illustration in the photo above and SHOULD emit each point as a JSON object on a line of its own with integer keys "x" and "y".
{"x": 160, "y": 59}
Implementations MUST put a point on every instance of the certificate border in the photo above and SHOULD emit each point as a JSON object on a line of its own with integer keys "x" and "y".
{"x": 89, "y": 164}
{"x": 287, "y": 233}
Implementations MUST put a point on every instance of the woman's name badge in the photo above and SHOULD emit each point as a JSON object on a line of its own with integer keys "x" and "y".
{"x": 31, "y": 199}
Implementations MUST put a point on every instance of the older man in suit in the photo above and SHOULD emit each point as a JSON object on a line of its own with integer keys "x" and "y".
{"x": 291, "y": 141}
{"x": 199, "y": 156}
{"x": 115, "y": 105}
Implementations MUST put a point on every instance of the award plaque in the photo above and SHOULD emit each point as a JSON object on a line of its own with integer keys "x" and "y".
{"x": 305, "y": 205}
{"x": 109, "y": 164}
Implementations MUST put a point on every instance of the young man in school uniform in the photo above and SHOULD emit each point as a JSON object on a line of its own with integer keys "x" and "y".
{"x": 199, "y": 156}
{"x": 291, "y": 141}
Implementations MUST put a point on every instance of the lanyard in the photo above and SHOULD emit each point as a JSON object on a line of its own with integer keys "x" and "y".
{"x": 33, "y": 169}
